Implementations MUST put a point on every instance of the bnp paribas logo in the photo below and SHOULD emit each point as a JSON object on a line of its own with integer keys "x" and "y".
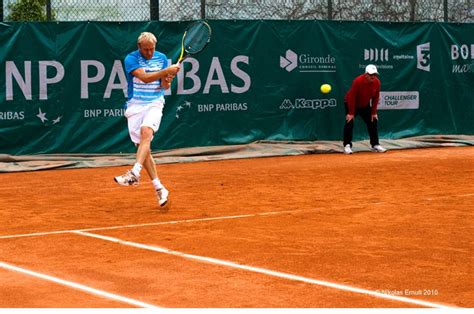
{"x": 290, "y": 61}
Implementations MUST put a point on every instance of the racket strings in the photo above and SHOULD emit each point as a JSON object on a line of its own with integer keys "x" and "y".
{"x": 197, "y": 37}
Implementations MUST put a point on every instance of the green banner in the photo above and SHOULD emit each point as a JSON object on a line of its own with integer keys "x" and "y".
{"x": 63, "y": 88}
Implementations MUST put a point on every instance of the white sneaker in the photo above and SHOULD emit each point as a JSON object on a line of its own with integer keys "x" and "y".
{"x": 378, "y": 149}
{"x": 128, "y": 179}
{"x": 162, "y": 196}
{"x": 347, "y": 149}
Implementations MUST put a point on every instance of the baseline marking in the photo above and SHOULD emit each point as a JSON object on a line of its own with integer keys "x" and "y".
{"x": 154, "y": 223}
{"x": 263, "y": 271}
{"x": 77, "y": 286}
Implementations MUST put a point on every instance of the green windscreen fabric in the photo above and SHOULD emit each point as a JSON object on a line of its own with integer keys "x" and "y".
{"x": 10, "y": 163}
{"x": 63, "y": 87}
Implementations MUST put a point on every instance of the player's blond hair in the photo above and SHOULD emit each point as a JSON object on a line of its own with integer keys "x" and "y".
{"x": 146, "y": 37}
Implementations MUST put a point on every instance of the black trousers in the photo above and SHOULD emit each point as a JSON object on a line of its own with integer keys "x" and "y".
{"x": 365, "y": 114}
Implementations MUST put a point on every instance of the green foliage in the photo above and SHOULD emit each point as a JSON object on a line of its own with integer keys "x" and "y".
{"x": 27, "y": 10}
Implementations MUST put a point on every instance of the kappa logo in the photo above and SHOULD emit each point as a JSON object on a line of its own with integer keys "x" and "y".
{"x": 303, "y": 103}
{"x": 374, "y": 54}
{"x": 290, "y": 61}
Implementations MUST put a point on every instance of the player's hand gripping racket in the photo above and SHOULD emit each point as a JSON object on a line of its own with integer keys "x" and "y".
{"x": 195, "y": 39}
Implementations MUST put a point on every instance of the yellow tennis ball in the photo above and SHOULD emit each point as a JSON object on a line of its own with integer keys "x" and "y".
{"x": 325, "y": 88}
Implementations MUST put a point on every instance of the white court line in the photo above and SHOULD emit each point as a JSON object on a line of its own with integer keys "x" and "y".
{"x": 264, "y": 271}
{"x": 77, "y": 286}
{"x": 154, "y": 223}
{"x": 447, "y": 196}
{"x": 35, "y": 234}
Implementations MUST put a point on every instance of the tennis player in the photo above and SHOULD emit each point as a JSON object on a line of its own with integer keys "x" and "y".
{"x": 362, "y": 99}
{"x": 148, "y": 76}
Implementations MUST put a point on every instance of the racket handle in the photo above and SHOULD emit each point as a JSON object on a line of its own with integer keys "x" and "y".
{"x": 180, "y": 59}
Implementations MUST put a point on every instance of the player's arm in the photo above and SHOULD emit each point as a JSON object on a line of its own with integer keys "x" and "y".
{"x": 375, "y": 99}
{"x": 148, "y": 77}
{"x": 351, "y": 100}
{"x": 166, "y": 82}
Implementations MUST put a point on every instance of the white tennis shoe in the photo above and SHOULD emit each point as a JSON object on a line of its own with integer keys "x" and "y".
{"x": 378, "y": 149}
{"x": 128, "y": 179}
{"x": 162, "y": 196}
{"x": 347, "y": 149}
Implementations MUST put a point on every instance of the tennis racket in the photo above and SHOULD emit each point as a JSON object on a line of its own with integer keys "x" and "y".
{"x": 195, "y": 39}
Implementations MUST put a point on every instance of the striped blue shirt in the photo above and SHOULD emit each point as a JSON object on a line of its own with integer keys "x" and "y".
{"x": 141, "y": 93}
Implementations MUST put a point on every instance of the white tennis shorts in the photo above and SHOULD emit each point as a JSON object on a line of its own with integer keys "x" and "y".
{"x": 139, "y": 116}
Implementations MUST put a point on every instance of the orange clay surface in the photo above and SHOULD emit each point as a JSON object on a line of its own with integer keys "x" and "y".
{"x": 399, "y": 223}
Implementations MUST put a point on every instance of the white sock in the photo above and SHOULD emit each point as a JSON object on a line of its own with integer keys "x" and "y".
{"x": 157, "y": 184}
{"x": 136, "y": 169}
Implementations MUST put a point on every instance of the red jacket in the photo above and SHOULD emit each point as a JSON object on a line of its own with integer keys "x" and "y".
{"x": 361, "y": 92}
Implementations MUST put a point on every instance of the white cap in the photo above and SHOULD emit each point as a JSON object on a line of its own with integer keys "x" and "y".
{"x": 371, "y": 69}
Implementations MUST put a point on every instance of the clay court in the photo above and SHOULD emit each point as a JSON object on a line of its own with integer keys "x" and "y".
{"x": 313, "y": 231}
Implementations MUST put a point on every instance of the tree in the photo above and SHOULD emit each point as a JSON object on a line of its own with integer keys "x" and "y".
{"x": 27, "y": 10}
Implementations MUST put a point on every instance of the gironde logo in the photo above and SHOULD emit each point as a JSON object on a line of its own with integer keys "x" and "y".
{"x": 307, "y": 62}
{"x": 290, "y": 61}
